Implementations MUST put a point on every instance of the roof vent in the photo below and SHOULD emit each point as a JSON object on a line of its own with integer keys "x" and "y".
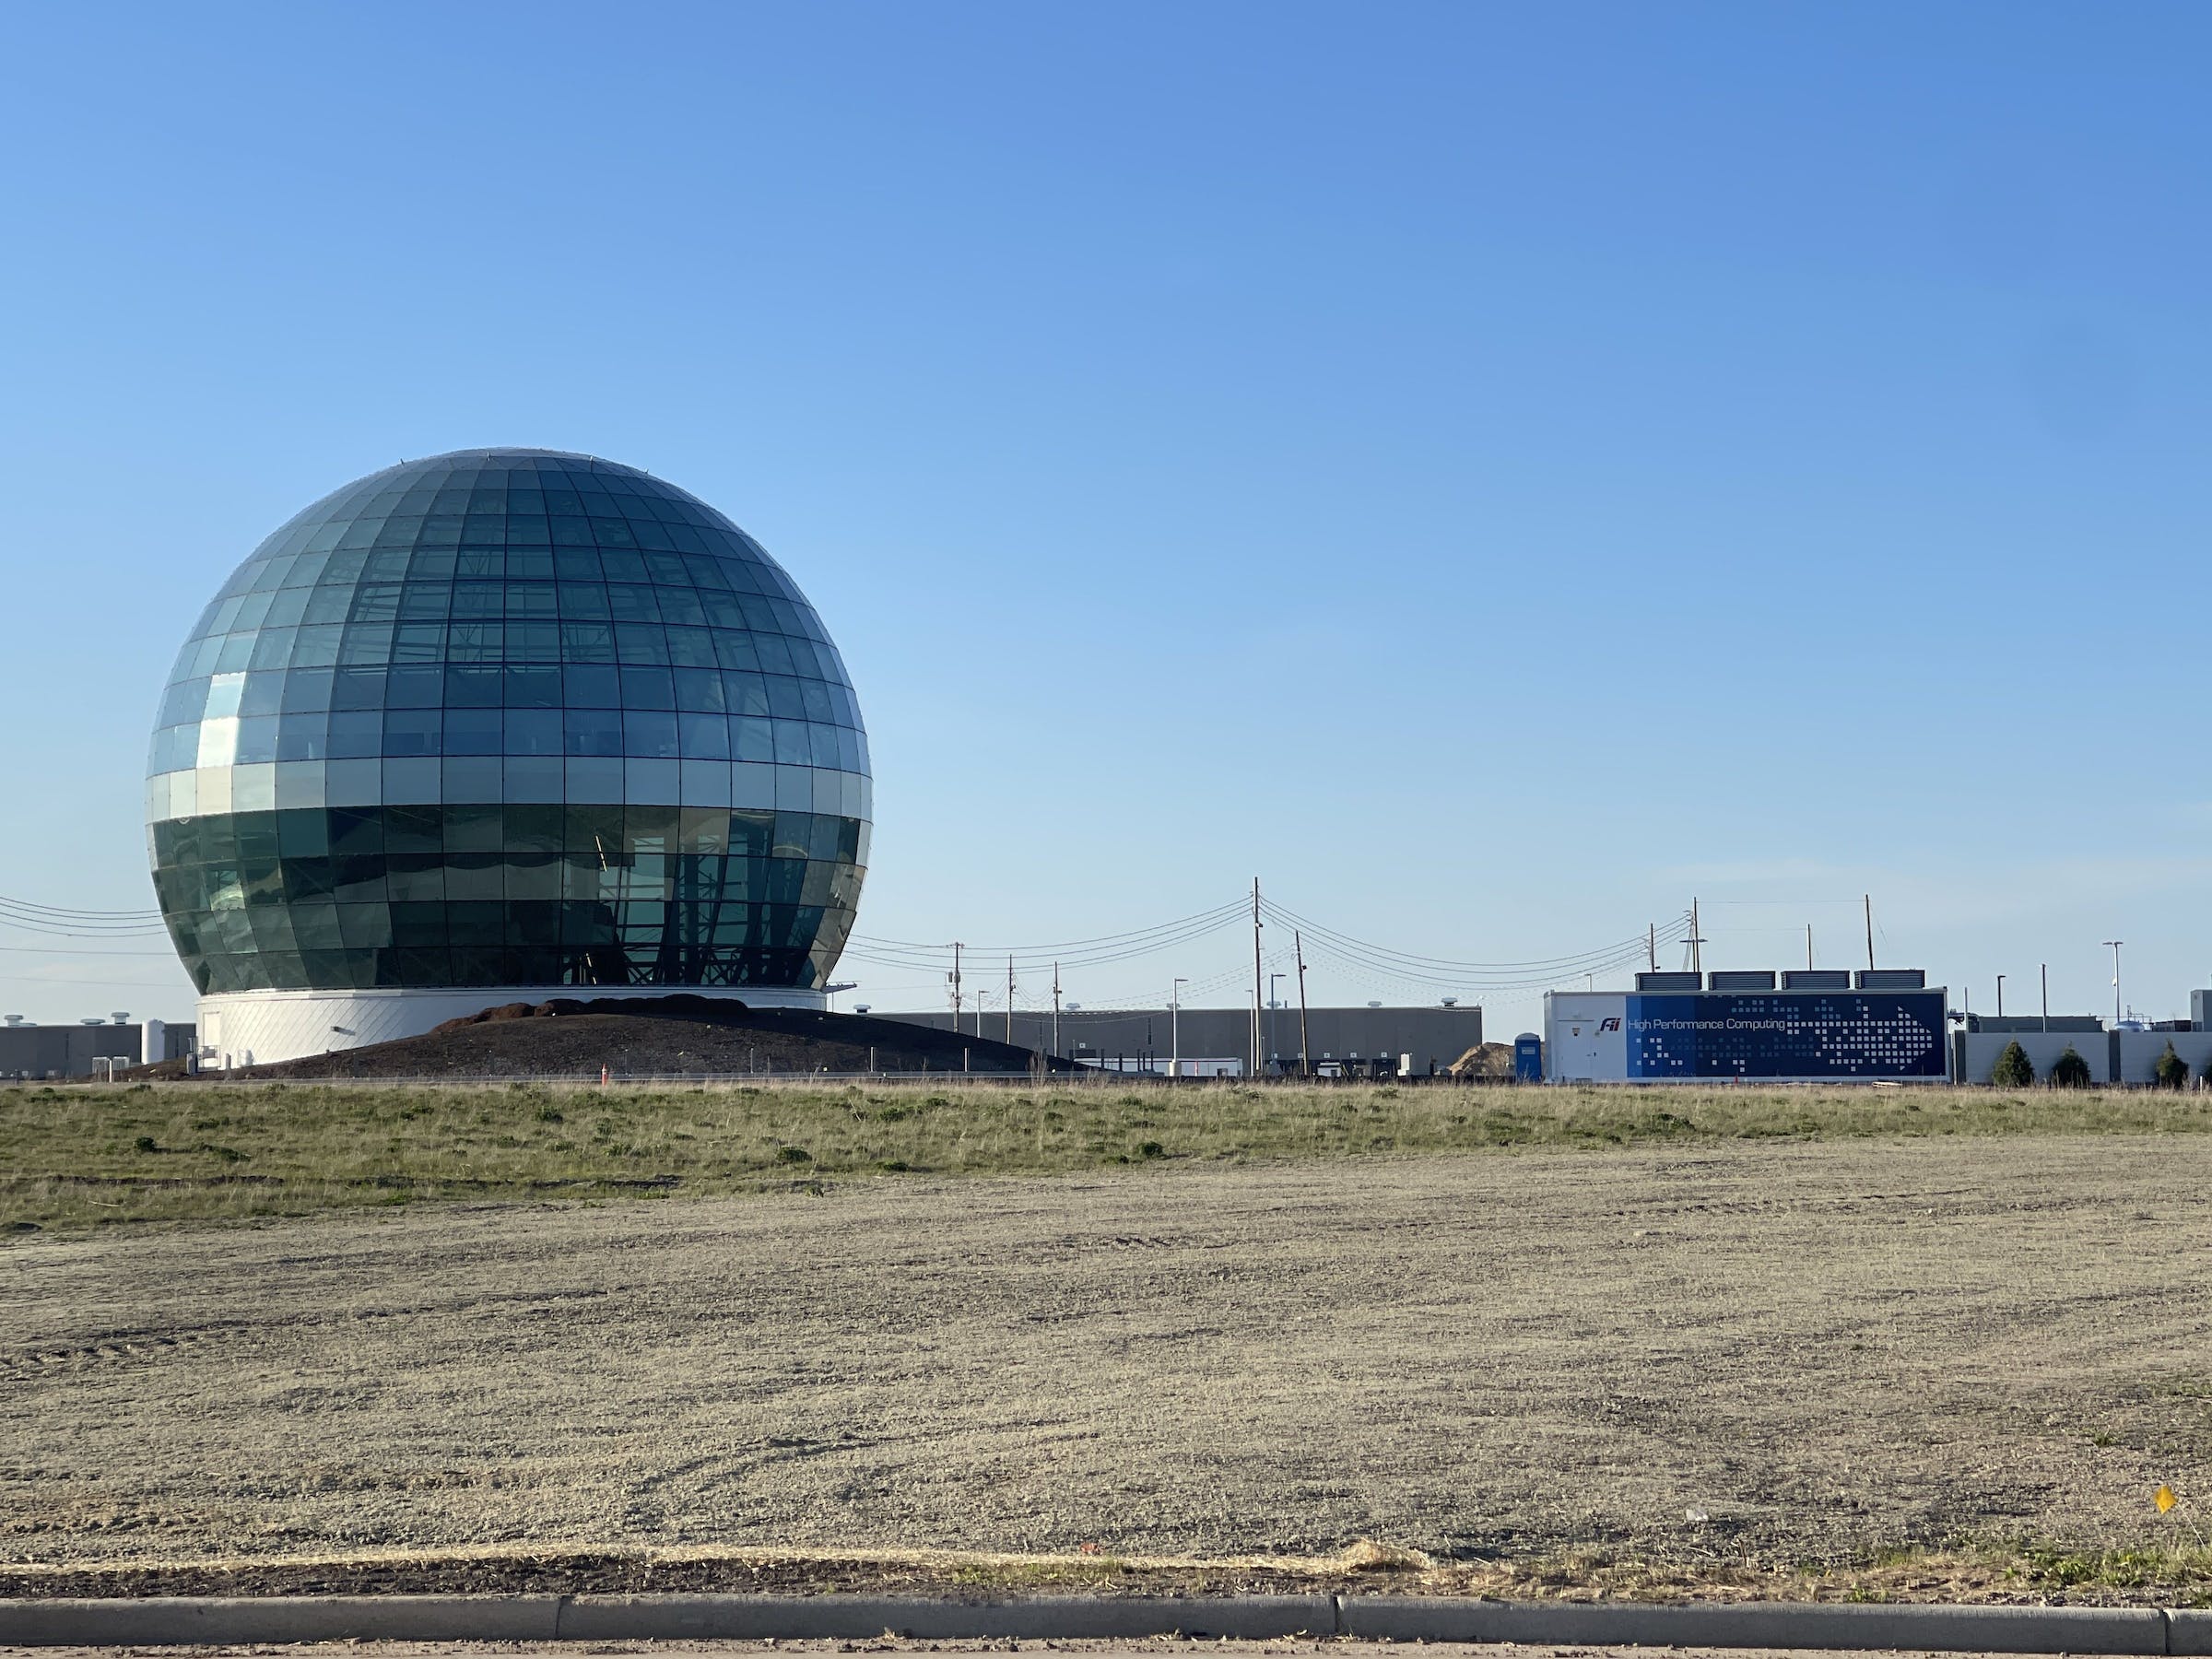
{"x": 1893, "y": 979}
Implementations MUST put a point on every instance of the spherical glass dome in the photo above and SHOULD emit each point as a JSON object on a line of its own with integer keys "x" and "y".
{"x": 508, "y": 718}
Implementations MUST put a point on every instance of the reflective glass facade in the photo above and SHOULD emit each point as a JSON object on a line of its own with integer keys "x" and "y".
{"x": 508, "y": 718}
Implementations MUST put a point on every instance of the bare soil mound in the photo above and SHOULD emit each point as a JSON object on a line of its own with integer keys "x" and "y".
{"x": 661, "y": 1036}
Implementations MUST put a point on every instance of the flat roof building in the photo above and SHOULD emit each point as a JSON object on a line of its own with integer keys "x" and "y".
{"x": 1362, "y": 1042}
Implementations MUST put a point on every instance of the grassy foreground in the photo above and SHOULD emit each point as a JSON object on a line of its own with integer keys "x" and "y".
{"x": 81, "y": 1156}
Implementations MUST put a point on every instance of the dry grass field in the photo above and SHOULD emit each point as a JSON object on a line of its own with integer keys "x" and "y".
{"x": 1928, "y": 1344}
{"x": 74, "y": 1157}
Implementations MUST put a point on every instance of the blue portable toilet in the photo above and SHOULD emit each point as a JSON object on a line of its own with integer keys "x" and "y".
{"x": 1528, "y": 1058}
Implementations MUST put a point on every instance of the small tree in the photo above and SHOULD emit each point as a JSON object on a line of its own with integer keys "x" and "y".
{"x": 2013, "y": 1069}
{"x": 2070, "y": 1070}
{"x": 2172, "y": 1071}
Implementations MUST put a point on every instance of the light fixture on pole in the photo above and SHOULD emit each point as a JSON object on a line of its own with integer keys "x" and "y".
{"x": 1275, "y": 1049}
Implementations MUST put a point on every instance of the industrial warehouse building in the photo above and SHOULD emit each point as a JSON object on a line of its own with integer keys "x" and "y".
{"x": 56, "y": 1052}
{"x": 1371, "y": 1042}
{"x": 1802, "y": 1026}
{"x": 2127, "y": 1053}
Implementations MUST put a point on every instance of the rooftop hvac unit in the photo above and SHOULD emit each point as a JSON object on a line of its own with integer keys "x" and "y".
{"x": 1892, "y": 979}
{"x": 1668, "y": 980}
{"x": 1740, "y": 979}
{"x": 1816, "y": 979}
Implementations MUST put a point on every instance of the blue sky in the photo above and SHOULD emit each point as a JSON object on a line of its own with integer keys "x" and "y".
{"x": 1493, "y": 472}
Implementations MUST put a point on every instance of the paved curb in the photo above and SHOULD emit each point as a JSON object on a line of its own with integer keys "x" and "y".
{"x": 1247, "y": 1618}
{"x": 171, "y": 1620}
{"x": 1833, "y": 1625}
{"x": 157, "y": 1620}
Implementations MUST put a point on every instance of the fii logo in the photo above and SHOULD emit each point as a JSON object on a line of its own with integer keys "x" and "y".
{"x": 1610, "y": 1023}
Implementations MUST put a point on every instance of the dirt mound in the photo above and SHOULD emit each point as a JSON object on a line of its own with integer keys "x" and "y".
{"x": 661, "y": 1036}
{"x": 1490, "y": 1062}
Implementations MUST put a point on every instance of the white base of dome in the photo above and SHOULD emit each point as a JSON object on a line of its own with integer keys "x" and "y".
{"x": 263, "y": 1028}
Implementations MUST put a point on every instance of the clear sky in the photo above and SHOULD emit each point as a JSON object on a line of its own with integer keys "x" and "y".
{"x": 1494, "y": 472}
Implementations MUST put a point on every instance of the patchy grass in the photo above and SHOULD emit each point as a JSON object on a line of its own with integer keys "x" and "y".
{"x": 77, "y": 1157}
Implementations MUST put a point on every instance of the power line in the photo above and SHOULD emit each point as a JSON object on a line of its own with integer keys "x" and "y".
{"x": 65, "y": 950}
{"x": 62, "y": 910}
{"x": 1413, "y": 967}
{"x": 55, "y": 979}
{"x": 1234, "y": 907}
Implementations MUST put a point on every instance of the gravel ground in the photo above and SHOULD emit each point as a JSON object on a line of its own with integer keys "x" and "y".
{"x": 1774, "y": 1353}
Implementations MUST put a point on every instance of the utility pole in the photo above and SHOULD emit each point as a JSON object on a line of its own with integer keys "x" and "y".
{"x": 1175, "y": 1027}
{"x": 1869, "y": 897}
{"x": 1696, "y": 941}
{"x": 1055, "y": 1007}
{"x": 2116, "y": 943}
{"x": 1651, "y": 946}
{"x": 956, "y": 987}
{"x": 1808, "y": 946}
{"x": 1305, "y": 1054}
{"x": 2046, "y": 996}
{"x": 1256, "y": 976}
{"x": 1009, "y": 999}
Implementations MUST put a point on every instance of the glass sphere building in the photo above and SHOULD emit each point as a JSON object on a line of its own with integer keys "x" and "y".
{"x": 502, "y": 720}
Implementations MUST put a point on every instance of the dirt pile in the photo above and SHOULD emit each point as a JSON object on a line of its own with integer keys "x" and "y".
{"x": 1486, "y": 1062}
{"x": 653, "y": 1037}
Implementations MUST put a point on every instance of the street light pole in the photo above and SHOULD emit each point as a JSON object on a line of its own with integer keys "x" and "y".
{"x": 1175, "y": 1028}
{"x": 1274, "y": 1002}
{"x": 2116, "y": 943}
{"x": 2000, "y": 996}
